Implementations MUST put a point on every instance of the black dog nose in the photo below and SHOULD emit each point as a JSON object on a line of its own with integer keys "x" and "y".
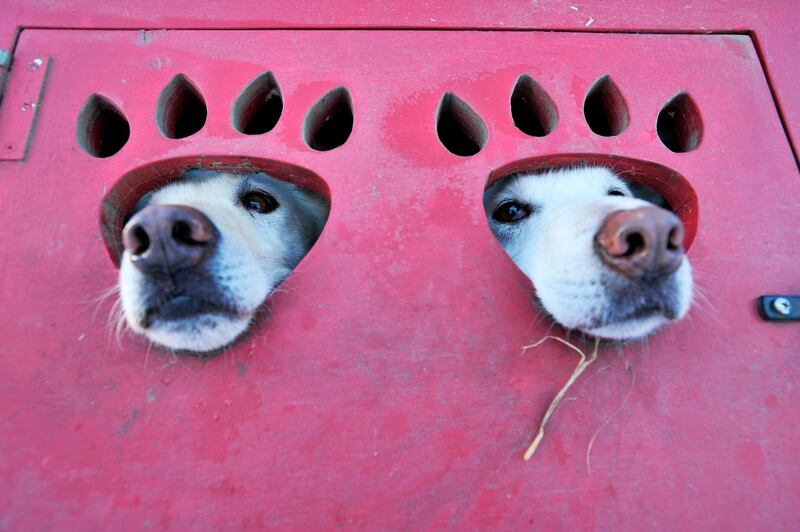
{"x": 166, "y": 238}
{"x": 643, "y": 242}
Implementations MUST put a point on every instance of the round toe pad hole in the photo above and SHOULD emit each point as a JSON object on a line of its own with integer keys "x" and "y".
{"x": 459, "y": 127}
{"x": 605, "y": 109}
{"x": 679, "y": 124}
{"x": 259, "y": 106}
{"x": 181, "y": 109}
{"x": 533, "y": 111}
{"x": 102, "y": 128}
{"x": 329, "y": 121}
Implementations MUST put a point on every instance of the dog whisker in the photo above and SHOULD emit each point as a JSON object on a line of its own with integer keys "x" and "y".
{"x": 147, "y": 355}
{"x": 96, "y": 302}
{"x": 705, "y": 306}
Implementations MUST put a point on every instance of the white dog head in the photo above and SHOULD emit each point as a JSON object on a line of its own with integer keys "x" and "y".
{"x": 602, "y": 261}
{"x": 201, "y": 255}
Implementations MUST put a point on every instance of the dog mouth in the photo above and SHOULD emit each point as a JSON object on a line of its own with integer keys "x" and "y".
{"x": 632, "y": 323}
{"x": 634, "y": 310}
{"x": 647, "y": 310}
{"x": 176, "y": 307}
{"x": 638, "y": 300}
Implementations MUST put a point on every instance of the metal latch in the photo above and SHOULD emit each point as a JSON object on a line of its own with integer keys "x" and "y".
{"x": 779, "y": 308}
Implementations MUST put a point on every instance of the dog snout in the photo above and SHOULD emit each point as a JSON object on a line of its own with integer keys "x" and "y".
{"x": 643, "y": 242}
{"x": 166, "y": 238}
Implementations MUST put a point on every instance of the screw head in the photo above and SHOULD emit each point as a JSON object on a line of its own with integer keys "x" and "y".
{"x": 782, "y": 306}
{"x": 35, "y": 64}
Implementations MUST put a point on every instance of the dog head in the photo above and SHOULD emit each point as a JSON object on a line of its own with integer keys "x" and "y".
{"x": 202, "y": 254}
{"x": 602, "y": 261}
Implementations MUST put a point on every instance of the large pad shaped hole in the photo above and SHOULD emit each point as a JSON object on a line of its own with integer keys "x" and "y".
{"x": 459, "y": 127}
{"x": 181, "y": 109}
{"x": 647, "y": 180}
{"x": 258, "y": 108}
{"x": 329, "y": 122}
{"x": 605, "y": 109}
{"x": 119, "y": 203}
{"x": 679, "y": 124}
{"x": 102, "y": 128}
{"x": 533, "y": 111}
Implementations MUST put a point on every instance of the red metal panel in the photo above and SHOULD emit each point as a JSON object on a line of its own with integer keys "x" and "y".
{"x": 388, "y": 388}
{"x": 775, "y": 24}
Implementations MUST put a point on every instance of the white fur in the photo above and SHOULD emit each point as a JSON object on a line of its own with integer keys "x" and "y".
{"x": 255, "y": 252}
{"x": 554, "y": 247}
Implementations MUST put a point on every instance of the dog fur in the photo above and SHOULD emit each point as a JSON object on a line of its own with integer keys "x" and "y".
{"x": 254, "y": 253}
{"x": 554, "y": 246}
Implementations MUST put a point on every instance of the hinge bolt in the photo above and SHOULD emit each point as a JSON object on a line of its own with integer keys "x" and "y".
{"x": 782, "y": 306}
{"x": 35, "y": 64}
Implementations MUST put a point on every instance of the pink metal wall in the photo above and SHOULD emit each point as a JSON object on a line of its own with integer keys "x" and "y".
{"x": 773, "y": 24}
{"x": 388, "y": 389}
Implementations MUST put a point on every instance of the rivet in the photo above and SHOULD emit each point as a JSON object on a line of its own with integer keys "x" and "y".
{"x": 782, "y": 306}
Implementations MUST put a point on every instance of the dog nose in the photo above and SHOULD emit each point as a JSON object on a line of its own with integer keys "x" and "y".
{"x": 165, "y": 238}
{"x": 643, "y": 242}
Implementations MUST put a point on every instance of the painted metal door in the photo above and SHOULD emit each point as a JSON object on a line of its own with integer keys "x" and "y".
{"x": 388, "y": 388}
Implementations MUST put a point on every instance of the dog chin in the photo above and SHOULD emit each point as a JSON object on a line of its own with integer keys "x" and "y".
{"x": 629, "y": 330}
{"x": 201, "y": 335}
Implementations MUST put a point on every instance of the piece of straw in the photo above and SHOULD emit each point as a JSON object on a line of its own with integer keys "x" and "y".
{"x": 582, "y": 365}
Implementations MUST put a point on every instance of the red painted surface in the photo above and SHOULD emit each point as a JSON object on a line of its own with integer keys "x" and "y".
{"x": 388, "y": 388}
{"x": 774, "y": 24}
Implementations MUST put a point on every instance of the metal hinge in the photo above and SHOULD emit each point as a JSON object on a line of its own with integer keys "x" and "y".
{"x": 5, "y": 67}
{"x": 21, "y": 90}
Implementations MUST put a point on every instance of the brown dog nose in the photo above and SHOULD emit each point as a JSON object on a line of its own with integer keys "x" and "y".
{"x": 643, "y": 242}
{"x": 166, "y": 238}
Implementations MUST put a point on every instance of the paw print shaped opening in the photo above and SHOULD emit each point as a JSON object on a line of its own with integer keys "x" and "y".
{"x": 462, "y": 131}
{"x": 103, "y": 129}
{"x": 189, "y": 218}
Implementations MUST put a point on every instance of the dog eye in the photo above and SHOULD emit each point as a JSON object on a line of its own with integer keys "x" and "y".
{"x": 615, "y": 192}
{"x": 259, "y": 202}
{"x": 511, "y": 211}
